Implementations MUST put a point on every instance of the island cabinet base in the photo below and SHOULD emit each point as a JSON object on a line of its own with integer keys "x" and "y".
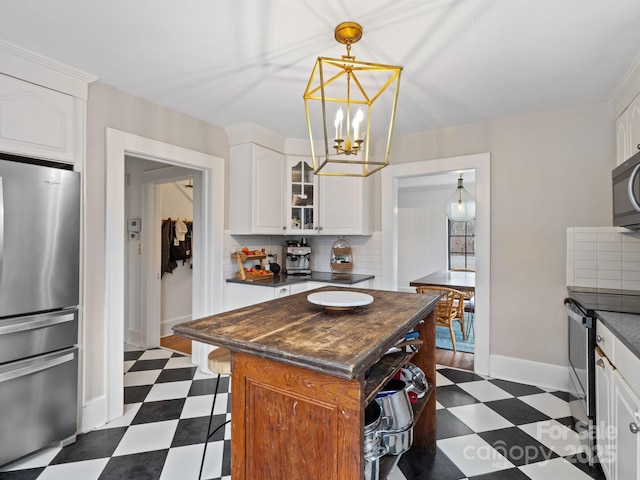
{"x": 291, "y": 422}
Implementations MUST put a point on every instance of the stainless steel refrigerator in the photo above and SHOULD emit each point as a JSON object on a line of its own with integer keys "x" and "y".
{"x": 39, "y": 296}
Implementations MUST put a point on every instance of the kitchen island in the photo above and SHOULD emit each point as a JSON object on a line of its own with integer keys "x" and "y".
{"x": 303, "y": 374}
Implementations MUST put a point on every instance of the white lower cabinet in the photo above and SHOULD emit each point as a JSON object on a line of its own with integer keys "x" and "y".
{"x": 626, "y": 421}
{"x": 617, "y": 408}
{"x": 238, "y": 295}
{"x": 604, "y": 422}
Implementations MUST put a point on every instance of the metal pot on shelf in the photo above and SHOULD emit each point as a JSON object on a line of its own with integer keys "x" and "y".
{"x": 396, "y": 428}
{"x": 373, "y": 449}
{"x": 273, "y": 265}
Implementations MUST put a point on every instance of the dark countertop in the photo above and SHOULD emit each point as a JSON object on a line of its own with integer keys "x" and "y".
{"x": 291, "y": 330}
{"x": 281, "y": 279}
{"x": 625, "y": 326}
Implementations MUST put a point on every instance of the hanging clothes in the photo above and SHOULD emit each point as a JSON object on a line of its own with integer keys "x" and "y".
{"x": 167, "y": 263}
{"x": 176, "y": 244}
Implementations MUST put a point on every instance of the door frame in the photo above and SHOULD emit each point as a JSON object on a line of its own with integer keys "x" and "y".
{"x": 389, "y": 196}
{"x": 208, "y": 279}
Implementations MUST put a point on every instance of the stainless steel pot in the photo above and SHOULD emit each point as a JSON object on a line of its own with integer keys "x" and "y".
{"x": 397, "y": 443}
{"x": 373, "y": 449}
{"x": 415, "y": 379}
{"x": 397, "y": 414}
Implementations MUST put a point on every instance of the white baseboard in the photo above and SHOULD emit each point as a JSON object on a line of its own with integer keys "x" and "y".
{"x": 94, "y": 414}
{"x": 166, "y": 325}
{"x": 543, "y": 375}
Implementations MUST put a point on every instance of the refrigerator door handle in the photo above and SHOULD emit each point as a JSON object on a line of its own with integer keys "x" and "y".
{"x": 36, "y": 367}
{"x": 24, "y": 324}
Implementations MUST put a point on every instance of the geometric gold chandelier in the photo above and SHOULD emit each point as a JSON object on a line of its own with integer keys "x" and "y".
{"x": 346, "y": 102}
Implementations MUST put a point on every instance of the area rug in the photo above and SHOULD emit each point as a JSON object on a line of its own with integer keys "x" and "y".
{"x": 443, "y": 338}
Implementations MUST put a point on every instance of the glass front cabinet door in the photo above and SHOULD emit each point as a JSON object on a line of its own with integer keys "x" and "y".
{"x": 302, "y": 215}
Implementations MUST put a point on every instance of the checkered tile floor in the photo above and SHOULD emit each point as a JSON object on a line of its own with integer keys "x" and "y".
{"x": 487, "y": 430}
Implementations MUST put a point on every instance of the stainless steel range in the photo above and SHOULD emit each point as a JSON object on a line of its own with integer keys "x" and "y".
{"x": 297, "y": 260}
{"x": 581, "y": 306}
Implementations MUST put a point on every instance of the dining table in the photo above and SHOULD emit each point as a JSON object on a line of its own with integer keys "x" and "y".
{"x": 463, "y": 281}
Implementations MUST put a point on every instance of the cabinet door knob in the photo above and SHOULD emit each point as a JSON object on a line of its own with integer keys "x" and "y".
{"x": 633, "y": 427}
{"x": 638, "y": 146}
{"x": 284, "y": 227}
{"x": 599, "y": 339}
{"x": 600, "y": 363}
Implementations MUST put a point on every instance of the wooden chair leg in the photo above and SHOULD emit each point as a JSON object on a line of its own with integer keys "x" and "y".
{"x": 453, "y": 337}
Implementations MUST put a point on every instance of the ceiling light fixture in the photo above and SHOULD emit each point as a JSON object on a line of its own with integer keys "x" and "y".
{"x": 346, "y": 90}
{"x": 461, "y": 207}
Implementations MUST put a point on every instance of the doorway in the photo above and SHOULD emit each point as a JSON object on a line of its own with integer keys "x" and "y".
{"x": 154, "y": 302}
{"x": 208, "y": 278}
{"x": 392, "y": 177}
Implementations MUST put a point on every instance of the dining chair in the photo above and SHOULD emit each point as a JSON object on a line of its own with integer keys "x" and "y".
{"x": 450, "y": 308}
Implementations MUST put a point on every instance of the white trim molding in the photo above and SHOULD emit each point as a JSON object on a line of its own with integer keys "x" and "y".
{"x": 543, "y": 375}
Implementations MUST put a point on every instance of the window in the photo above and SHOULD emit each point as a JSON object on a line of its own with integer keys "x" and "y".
{"x": 462, "y": 245}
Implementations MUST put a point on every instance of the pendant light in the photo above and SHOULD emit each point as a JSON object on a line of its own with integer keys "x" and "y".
{"x": 461, "y": 207}
{"x": 346, "y": 102}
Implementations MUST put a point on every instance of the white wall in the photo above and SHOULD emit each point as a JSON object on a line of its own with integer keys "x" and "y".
{"x": 549, "y": 171}
{"x": 108, "y": 107}
{"x": 176, "y": 287}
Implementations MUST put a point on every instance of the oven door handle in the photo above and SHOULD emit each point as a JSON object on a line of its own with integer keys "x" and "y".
{"x": 575, "y": 314}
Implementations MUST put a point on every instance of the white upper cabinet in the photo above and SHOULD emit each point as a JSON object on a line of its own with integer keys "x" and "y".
{"x": 345, "y": 206}
{"x": 633, "y": 114}
{"x": 36, "y": 121}
{"x": 256, "y": 190}
{"x": 302, "y": 196}
{"x": 622, "y": 138}
{"x": 325, "y": 205}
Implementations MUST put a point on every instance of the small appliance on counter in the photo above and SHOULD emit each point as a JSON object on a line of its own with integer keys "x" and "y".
{"x": 297, "y": 258}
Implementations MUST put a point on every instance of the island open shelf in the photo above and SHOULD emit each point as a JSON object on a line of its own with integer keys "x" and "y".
{"x": 298, "y": 387}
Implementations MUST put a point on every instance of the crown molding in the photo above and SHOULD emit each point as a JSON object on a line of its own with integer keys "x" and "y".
{"x": 35, "y": 68}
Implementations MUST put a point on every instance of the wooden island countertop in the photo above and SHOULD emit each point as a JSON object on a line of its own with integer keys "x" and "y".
{"x": 302, "y": 376}
{"x": 292, "y": 330}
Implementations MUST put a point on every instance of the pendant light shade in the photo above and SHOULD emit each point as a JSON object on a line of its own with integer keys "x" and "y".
{"x": 461, "y": 207}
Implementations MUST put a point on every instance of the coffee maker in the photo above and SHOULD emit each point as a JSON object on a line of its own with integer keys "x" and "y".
{"x": 297, "y": 258}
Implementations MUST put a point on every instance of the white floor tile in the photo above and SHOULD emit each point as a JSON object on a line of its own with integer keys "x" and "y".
{"x": 556, "y": 468}
{"x": 86, "y": 470}
{"x": 128, "y": 364}
{"x": 200, "y": 375}
{"x": 183, "y": 463}
{"x": 556, "y": 436}
{"x": 439, "y": 406}
{"x": 441, "y": 380}
{"x": 473, "y": 455}
{"x": 480, "y": 418}
{"x": 132, "y": 348}
{"x": 130, "y": 411}
{"x": 396, "y": 474}
{"x": 168, "y": 391}
{"x": 179, "y": 362}
{"x": 147, "y": 437}
{"x": 156, "y": 354}
{"x": 145, "y": 377}
{"x": 213, "y": 461}
{"x": 484, "y": 391}
{"x": 200, "y": 406}
{"x": 548, "y": 404}
{"x": 41, "y": 458}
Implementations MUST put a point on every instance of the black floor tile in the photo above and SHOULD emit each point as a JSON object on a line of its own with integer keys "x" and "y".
{"x": 416, "y": 464}
{"x": 207, "y": 386}
{"x": 508, "y": 474}
{"x": 582, "y": 463}
{"x": 459, "y": 376}
{"x": 566, "y": 396}
{"x": 136, "y": 394}
{"x": 30, "y": 474}
{"x": 193, "y": 430}
{"x": 155, "y": 364}
{"x": 516, "y": 411}
{"x": 448, "y": 425}
{"x": 567, "y": 422}
{"x": 133, "y": 355}
{"x": 517, "y": 389}
{"x": 453, "y": 396}
{"x": 139, "y": 466}
{"x": 159, "y": 411}
{"x": 226, "y": 458}
{"x": 516, "y": 446}
{"x": 92, "y": 445}
{"x": 176, "y": 374}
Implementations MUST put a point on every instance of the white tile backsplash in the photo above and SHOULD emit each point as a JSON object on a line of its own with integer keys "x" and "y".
{"x": 603, "y": 257}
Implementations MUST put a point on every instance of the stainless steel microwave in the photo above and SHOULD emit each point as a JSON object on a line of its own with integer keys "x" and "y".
{"x": 626, "y": 194}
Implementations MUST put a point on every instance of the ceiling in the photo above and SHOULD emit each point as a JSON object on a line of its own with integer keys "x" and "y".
{"x": 230, "y": 62}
